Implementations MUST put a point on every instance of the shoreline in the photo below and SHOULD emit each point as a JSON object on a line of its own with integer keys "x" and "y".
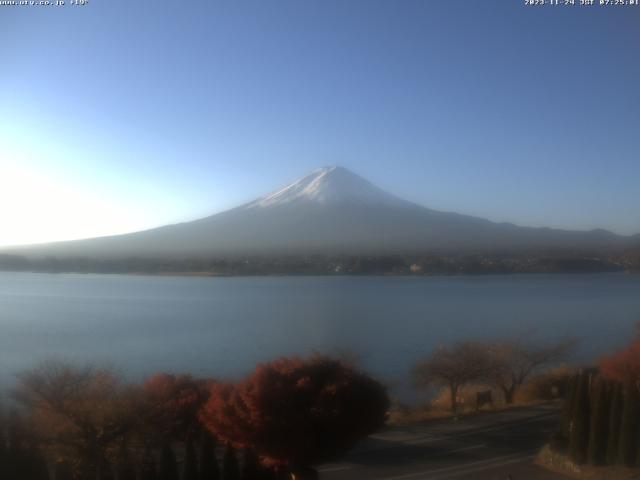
{"x": 198, "y": 274}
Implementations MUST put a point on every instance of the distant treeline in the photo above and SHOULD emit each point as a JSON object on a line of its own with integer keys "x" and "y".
{"x": 432, "y": 264}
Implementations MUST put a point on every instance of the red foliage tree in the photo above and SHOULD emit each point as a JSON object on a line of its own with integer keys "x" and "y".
{"x": 227, "y": 416}
{"x": 624, "y": 365}
{"x": 297, "y": 413}
{"x": 175, "y": 401}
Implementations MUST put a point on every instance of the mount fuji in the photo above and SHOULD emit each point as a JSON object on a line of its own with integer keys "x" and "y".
{"x": 330, "y": 211}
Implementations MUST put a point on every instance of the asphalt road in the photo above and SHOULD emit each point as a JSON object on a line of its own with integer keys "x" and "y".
{"x": 489, "y": 446}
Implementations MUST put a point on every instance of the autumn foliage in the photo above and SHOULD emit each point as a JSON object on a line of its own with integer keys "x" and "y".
{"x": 291, "y": 414}
{"x": 602, "y": 411}
{"x": 174, "y": 401}
{"x": 297, "y": 413}
{"x": 624, "y": 365}
{"x": 78, "y": 414}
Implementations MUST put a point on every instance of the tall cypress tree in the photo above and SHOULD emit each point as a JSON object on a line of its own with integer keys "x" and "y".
{"x": 628, "y": 446}
{"x": 34, "y": 466}
{"x": 230, "y": 467}
{"x": 168, "y": 465}
{"x": 15, "y": 445}
{"x": 41, "y": 470}
{"x": 251, "y": 468}
{"x": 62, "y": 471}
{"x": 599, "y": 424}
{"x": 105, "y": 472}
{"x": 209, "y": 468}
{"x": 19, "y": 455}
{"x": 615, "y": 416}
{"x": 579, "y": 428}
{"x": 190, "y": 462}
{"x": 567, "y": 406}
{"x": 124, "y": 466}
{"x": 3, "y": 449}
{"x": 148, "y": 467}
{"x": 269, "y": 474}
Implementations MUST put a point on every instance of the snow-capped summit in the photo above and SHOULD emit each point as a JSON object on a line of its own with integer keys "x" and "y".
{"x": 330, "y": 186}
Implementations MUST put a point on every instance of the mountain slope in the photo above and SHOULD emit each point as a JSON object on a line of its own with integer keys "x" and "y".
{"x": 332, "y": 210}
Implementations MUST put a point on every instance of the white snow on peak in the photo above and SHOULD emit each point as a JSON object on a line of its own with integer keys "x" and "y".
{"x": 330, "y": 186}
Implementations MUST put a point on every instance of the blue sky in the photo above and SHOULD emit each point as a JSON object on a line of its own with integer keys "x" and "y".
{"x": 121, "y": 115}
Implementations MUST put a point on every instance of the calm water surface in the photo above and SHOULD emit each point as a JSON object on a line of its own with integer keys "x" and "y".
{"x": 224, "y": 326}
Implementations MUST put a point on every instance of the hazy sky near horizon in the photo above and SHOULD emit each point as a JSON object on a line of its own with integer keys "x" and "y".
{"x": 119, "y": 115}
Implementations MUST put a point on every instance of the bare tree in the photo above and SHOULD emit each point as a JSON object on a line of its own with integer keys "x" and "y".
{"x": 513, "y": 361}
{"x": 454, "y": 368}
{"x": 80, "y": 413}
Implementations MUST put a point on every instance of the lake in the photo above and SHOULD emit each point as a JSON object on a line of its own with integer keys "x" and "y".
{"x": 223, "y": 326}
